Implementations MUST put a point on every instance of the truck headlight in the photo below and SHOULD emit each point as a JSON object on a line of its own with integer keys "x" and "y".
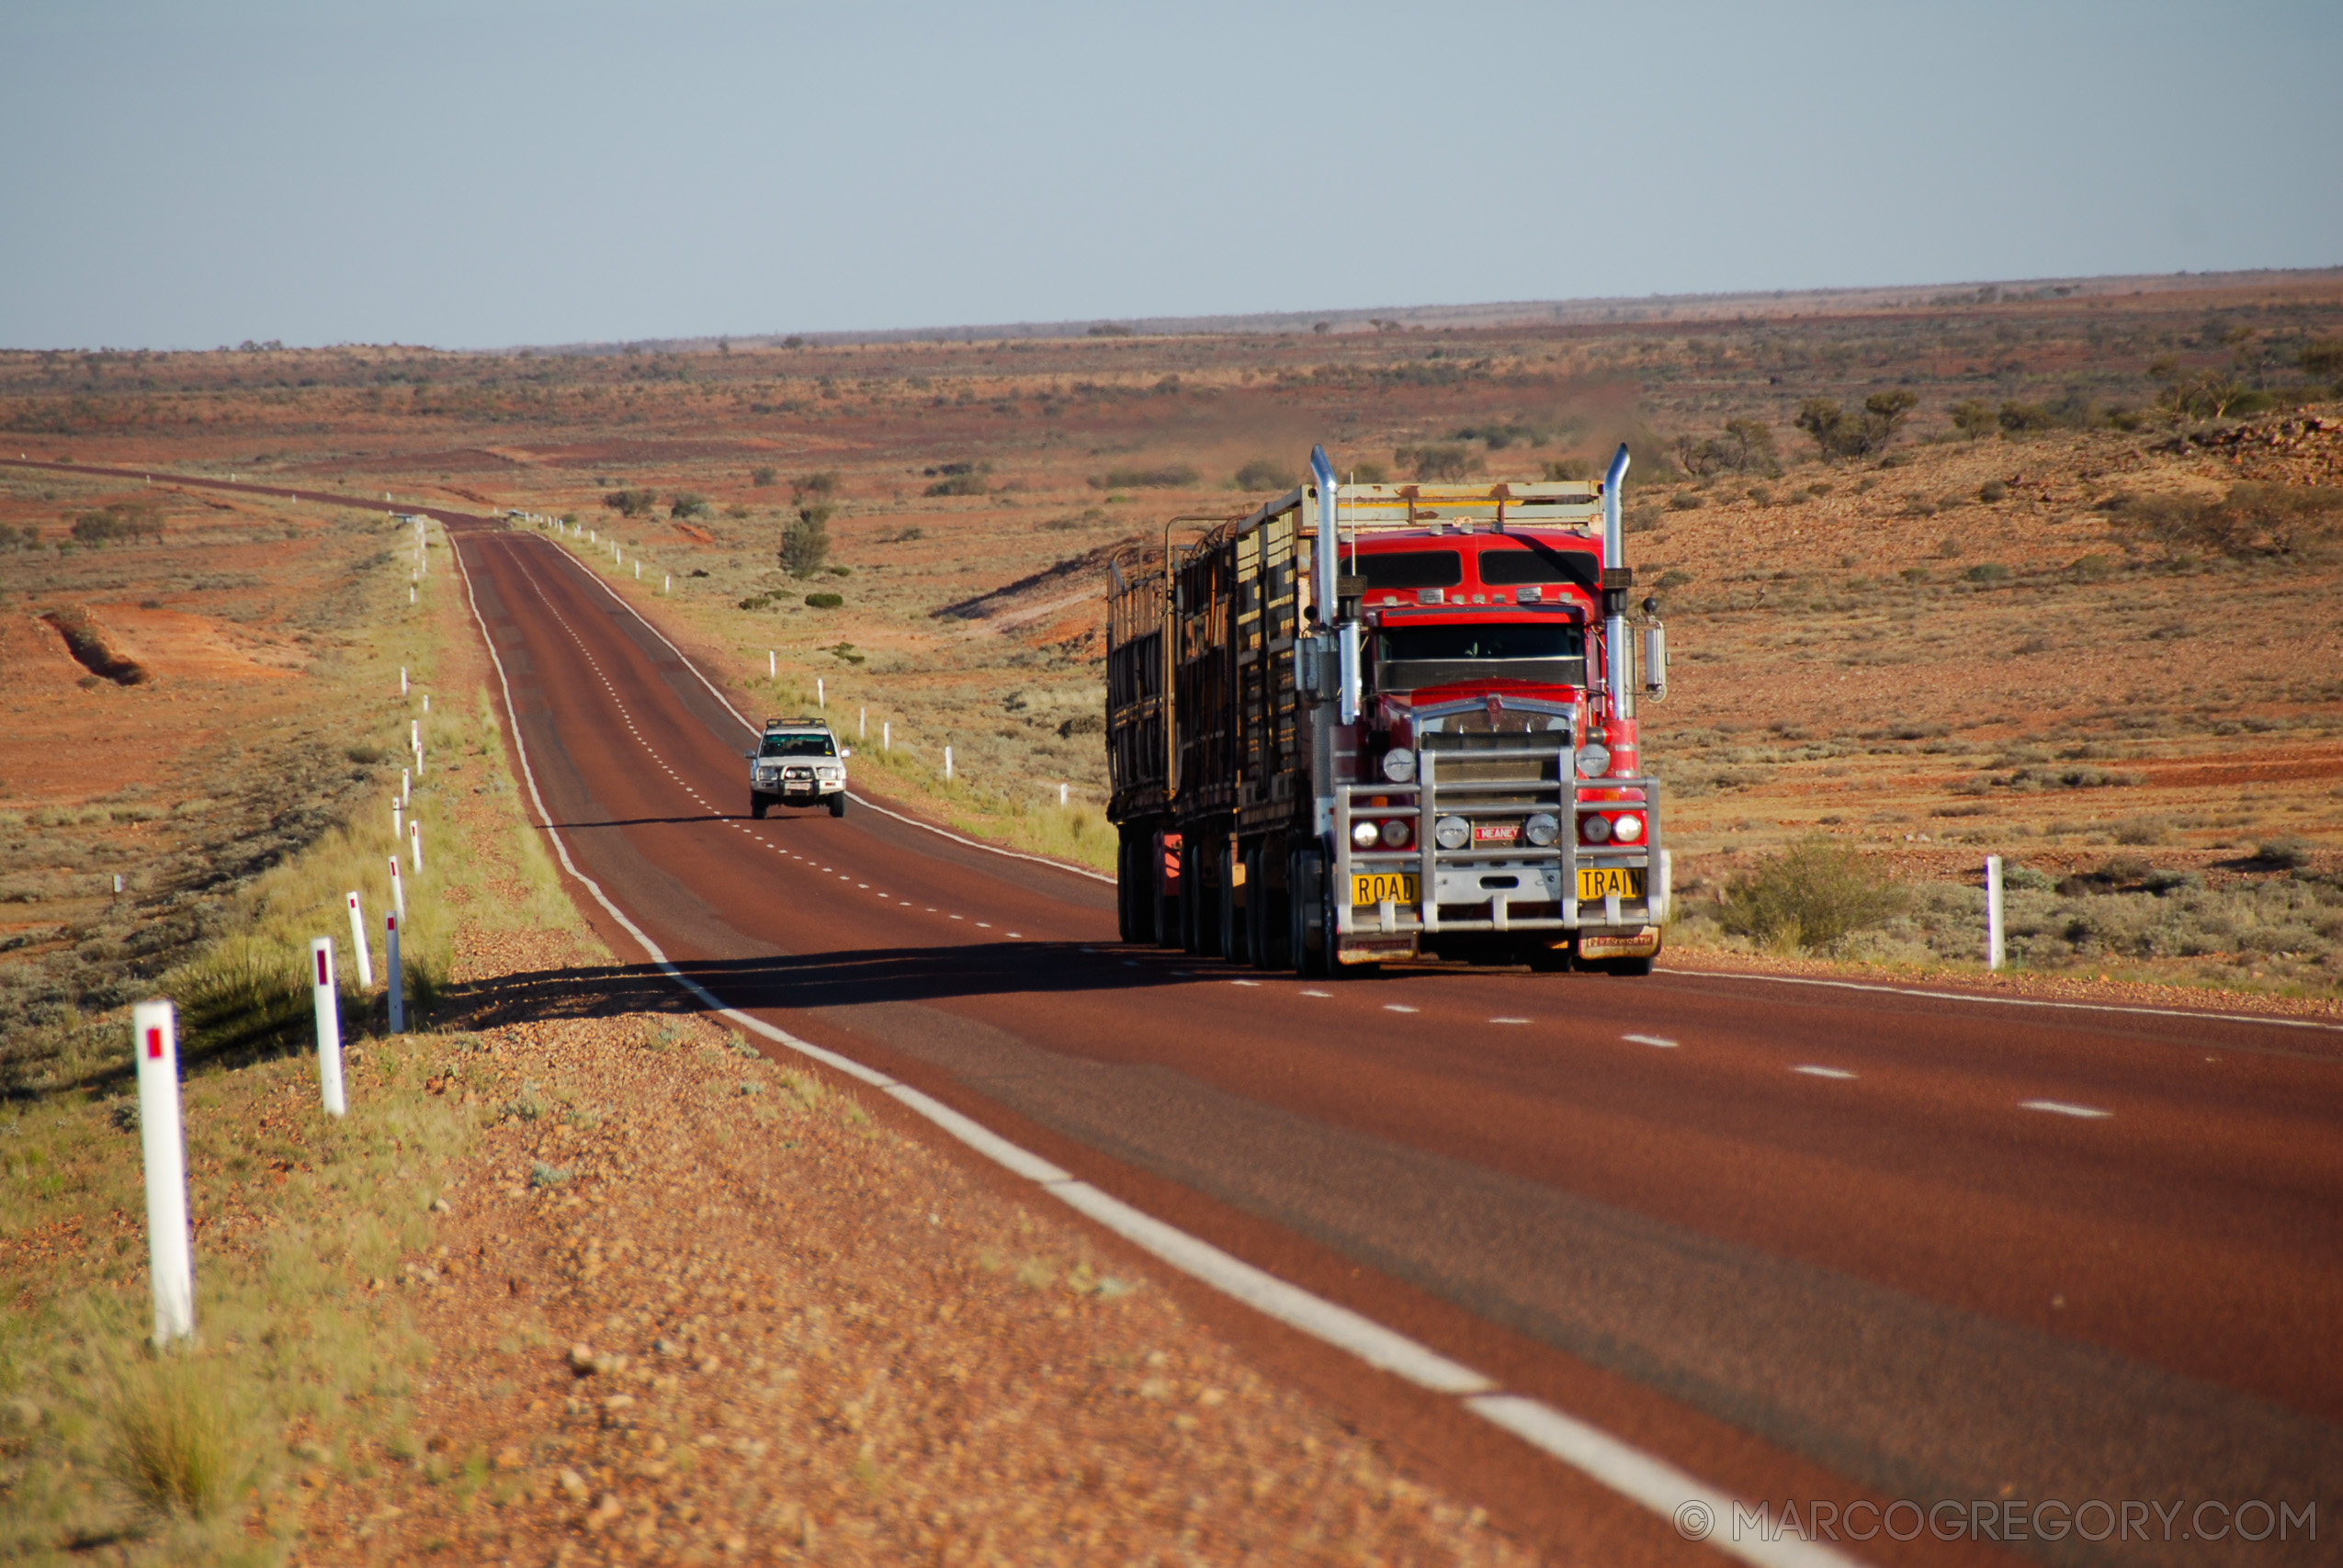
{"x": 1594, "y": 759}
{"x": 1452, "y": 832}
{"x": 1396, "y": 833}
{"x": 1628, "y": 828}
{"x": 1399, "y": 765}
{"x": 1364, "y": 835}
{"x": 1595, "y": 830}
{"x": 1541, "y": 829}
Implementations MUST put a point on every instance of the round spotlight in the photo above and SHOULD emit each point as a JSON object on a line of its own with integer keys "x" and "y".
{"x": 1399, "y": 765}
{"x": 1594, "y": 759}
{"x": 1452, "y": 832}
{"x": 1541, "y": 829}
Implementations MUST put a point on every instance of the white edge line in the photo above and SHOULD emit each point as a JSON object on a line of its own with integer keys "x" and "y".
{"x": 1314, "y": 1315}
{"x": 2011, "y": 1001}
{"x": 1658, "y": 1485}
{"x": 863, "y": 800}
{"x": 1626, "y": 1469}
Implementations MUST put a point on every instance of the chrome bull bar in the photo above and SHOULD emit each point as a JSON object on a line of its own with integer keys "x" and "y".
{"x": 1500, "y": 878}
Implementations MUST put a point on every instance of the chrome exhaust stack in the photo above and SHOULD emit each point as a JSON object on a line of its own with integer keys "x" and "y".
{"x": 1615, "y": 656}
{"x": 1328, "y": 600}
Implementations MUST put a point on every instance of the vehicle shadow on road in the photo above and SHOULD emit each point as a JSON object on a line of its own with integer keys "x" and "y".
{"x": 818, "y": 980}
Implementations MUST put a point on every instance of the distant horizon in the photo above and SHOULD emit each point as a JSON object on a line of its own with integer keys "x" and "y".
{"x": 518, "y": 172}
{"x": 1595, "y": 310}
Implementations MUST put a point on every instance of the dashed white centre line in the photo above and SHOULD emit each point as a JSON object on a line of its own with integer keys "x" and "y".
{"x": 2060, "y": 1108}
{"x": 1244, "y": 982}
{"x": 1649, "y": 1039}
{"x": 1508, "y": 1021}
{"x": 1317, "y": 994}
{"x": 984, "y": 925}
{"x": 1824, "y": 1072}
{"x": 1398, "y": 1007}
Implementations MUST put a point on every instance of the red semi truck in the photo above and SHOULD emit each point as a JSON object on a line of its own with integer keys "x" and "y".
{"x": 1372, "y": 723}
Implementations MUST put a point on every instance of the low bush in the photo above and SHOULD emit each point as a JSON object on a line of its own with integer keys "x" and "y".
{"x": 1174, "y": 476}
{"x": 1812, "y": 896}
{"x": 112, "y": 524}
{"x": 1263, "y": 473}
{"x": 967, "y": 483}
{"x": 824, "y": 600}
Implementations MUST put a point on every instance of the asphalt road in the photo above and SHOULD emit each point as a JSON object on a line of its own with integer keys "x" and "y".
{"x": 1810, "y": 1242}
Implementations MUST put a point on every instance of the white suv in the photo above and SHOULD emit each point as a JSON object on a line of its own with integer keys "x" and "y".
{"x": 799, "y": 762}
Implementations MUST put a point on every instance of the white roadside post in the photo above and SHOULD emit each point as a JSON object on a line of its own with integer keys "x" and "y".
{"x": 821, "y": 694}
{"x": 886, "y": 735}
{"x": 1993, "y": 911}
{"x": 667, "y": 582}
{"x": 154, "y": 1043}
{"x": 358, "y": 941}
{"x": 329, "y": 1018}
{"x": 415, "y": 838}
{"x": 403, "y": 679}
{"x": 862, "y": 723}
{"x": 426, "y": 701}
{"x": 398, "y": 888}
{"x": 398, "y": 976}
{"x": 406, "y": 784}
{"x": 772, "y": 666}
{"x": 398, "y": 824}
{"x": 947, "y": 764}
{"x": 1061, "y": 796}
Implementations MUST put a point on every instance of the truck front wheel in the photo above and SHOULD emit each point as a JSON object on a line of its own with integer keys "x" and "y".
{"x": 756, "y": 807}
{"x": 838, "y": 804}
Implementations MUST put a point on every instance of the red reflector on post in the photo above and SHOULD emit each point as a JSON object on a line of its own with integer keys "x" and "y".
{"x": 321, "y": 966}
{"x": 154, "y": 1045}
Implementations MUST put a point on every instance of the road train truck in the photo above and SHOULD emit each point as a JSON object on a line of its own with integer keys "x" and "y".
{"x": 1371, "y": 723}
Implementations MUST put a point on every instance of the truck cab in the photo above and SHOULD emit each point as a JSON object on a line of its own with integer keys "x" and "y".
{"x": 798, "y": 762}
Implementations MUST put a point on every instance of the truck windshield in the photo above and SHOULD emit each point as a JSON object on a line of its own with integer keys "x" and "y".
{"x": 1550, "y": 652}
{"x": 798, "y": 746}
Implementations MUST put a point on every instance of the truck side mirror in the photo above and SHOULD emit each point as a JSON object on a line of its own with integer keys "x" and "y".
{"x": 1654, "y": 660}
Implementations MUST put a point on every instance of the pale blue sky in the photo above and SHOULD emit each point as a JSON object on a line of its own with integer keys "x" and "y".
{"x": 479, "y": 174}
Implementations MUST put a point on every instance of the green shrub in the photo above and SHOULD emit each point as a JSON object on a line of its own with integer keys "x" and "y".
{"x": 688, "y": 503}
{"x": 824, "y": 600}
{"x": 805, "y": 544}
{"x": 1813, "y": 896}
{"x": 175, "y": 1439}
{"x": 967, "y": 483}
{"x": 1441, "y": 461}
{"x": 631, "y": 503}
{"x": 1174, "y": 476}
{"x": 760, "y": 476}
{"x": 1263, "y": 473}
{"x": 1992, "y": 490}
{"x": 1988, "y": 571}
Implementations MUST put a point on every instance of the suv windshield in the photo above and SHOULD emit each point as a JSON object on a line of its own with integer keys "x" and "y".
{"x": 798, "y": 746}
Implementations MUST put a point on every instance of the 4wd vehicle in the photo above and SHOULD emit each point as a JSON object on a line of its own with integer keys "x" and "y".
{"x": 798, "y": 762}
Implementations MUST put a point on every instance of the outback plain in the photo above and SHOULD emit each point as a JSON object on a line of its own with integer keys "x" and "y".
{"x": 2047, "y": 571}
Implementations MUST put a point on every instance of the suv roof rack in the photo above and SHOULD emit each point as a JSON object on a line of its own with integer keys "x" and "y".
{"x": 797, "y": 723}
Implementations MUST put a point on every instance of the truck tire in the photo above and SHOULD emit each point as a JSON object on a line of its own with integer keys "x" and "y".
{"x": 757, "y": 804}
{"x": 1235, "y": 945}
{"x": 1164, "y": 929}
{"x": 1256, "y": 908}
{"x": 1126, "y": 918}
{"x": 1305, "y": 920}
{"x": 838, "y": 804}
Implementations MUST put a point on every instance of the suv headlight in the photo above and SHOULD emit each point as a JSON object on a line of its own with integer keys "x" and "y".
{"x": 1399, "y": 765}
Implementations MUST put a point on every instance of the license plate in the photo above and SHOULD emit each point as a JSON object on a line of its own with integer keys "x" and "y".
{"x": 1597, "y": 882}
{"x": 1375, "y": 886}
